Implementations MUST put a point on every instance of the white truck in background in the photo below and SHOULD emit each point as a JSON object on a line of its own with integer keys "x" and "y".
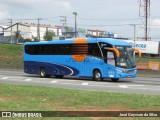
{"x": 146, "y": 47}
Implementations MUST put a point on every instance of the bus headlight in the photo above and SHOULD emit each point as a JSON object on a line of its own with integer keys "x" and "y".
{"x": 116, "y": 69}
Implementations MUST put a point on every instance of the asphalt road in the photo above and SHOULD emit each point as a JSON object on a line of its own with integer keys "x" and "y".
{"x": 139, "y": 85}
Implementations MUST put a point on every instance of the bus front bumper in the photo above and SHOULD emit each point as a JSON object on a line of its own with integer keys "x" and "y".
{"x": 120, "y": 73}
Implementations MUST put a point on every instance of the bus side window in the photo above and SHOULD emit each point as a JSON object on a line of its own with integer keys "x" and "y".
{"x": 56, "y": 49}
{"x": 91, "y": 51}
{"x": 94, "y": 50}
{"x": 52, "y": 49}
{"x": 32, "y": 49}
{"x": 43, "y": 49}
{"x": 66, "y": 49}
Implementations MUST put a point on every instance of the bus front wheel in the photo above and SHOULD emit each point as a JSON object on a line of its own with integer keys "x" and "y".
{"x": 97, "y": 75}
{"x": 114, "y": 79}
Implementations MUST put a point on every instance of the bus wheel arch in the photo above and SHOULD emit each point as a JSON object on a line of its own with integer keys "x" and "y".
{"x": 97, "y": 75}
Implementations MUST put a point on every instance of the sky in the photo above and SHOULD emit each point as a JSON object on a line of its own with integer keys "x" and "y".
{"x": 109, "y": 15}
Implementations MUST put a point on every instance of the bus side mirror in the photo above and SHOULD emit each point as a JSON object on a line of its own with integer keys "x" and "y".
{"x": 138, "y": 51}
{"x": 114, "y": 50}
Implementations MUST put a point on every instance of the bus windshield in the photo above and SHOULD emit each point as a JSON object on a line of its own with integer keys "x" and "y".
{"x": 126, "y": 58}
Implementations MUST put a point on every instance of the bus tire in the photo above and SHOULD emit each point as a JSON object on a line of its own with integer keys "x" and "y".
{"x": 59, "y": 76}
{"x": 97, "y": 75}
{"x": 42, "y": 73}
{"x": 114, "y": 79}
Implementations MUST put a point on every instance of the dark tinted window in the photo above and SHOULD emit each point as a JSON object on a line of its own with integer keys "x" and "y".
{"x": 49, "y": 49}
{"x": 94, "y": 50}
{"x": 79, "y": 49}
{"x": 66, "y": 49}
{"x": 32, "y": 49}
{"x": 43, "y": 49}
{"x": 103, "y": 45}
{"x": 52, "y": 49}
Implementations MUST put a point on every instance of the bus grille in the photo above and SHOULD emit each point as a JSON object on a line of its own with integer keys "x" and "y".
{"x": 130, "y": 71}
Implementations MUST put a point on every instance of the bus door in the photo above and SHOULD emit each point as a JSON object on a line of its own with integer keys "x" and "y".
{"x": 110, "y": 60}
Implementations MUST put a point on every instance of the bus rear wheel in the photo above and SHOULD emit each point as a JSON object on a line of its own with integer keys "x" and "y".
{"x": 114, "y": 79}
{"x": 97, "y": 75}
{"x": 42, "y": 73}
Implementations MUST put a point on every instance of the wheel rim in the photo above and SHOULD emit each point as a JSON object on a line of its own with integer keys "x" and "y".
{"x": 97, "y": 75}
{"x": 42, "y": 72}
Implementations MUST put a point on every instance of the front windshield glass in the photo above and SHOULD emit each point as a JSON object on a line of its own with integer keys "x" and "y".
{"x": 126, "y": 58}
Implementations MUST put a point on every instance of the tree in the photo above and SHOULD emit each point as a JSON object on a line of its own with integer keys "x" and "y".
{"x": 35, "y": 38}
{"x": 48, "y": 35}
{"x": 18, "y": 34}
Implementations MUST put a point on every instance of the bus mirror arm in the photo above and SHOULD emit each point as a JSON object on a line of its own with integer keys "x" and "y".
{"x": 134, "y": 54}
{"x": 138, "y": 51}
{"x": 114, "y": 50}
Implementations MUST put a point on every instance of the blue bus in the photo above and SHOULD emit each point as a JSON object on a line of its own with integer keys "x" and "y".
{"x": 97, "y": 58}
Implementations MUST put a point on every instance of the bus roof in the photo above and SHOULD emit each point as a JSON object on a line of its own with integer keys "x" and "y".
{"x": 89, "y": 40}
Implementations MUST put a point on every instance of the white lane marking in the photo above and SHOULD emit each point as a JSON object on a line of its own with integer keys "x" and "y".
{"x": 84, "y": 83}
{"x": 127, "y": 86}
{"x": 27, "y": 79}
{"x": 136, "y": 85}
{"x": 144, "y": 82}
{"x": 123, "y": 86}
{"x": 144, "y": 89}
{"x": 153, "y": 89}
{"x": 53, "y": 81}
{"x": 4, "y": 78}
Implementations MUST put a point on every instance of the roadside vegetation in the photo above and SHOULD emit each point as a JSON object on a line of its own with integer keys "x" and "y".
{"x": 37, "y": 98}
{"x": 26, "y": 97}
{"x": 11, "y": 56}
{"x": 146, "y": 59}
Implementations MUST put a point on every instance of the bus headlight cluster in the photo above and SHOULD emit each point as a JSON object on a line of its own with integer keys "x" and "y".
{"x": 116, "y": 69}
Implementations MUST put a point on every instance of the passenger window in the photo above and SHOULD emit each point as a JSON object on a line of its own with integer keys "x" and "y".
{"x": 94, "y": 50}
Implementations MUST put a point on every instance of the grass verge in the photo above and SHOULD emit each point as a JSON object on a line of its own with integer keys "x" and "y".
{"x": 11, "y": 56}
{"x": 20, "y": 97}
{"x": 37, "y": 98}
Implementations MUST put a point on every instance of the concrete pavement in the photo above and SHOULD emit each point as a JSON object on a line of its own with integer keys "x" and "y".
{"x": 148, "y": 73}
